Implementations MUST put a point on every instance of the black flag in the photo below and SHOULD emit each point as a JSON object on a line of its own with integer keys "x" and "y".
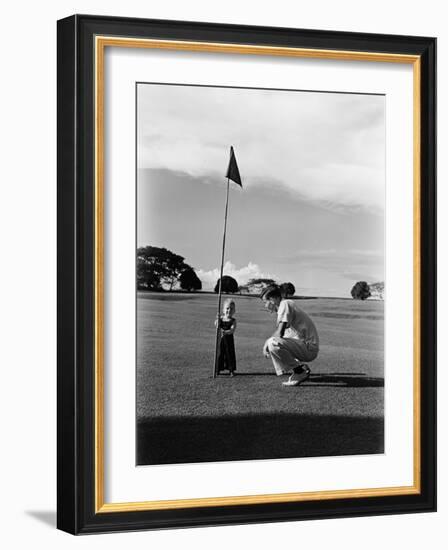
{"x": 232, "y": 171}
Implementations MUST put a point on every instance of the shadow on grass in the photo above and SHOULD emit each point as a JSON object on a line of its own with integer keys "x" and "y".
{"x": 174, "y": 440}
{"x": 238, "y": 373}
{"x": 347, "y": 380}
{"x": 344, "y": 380}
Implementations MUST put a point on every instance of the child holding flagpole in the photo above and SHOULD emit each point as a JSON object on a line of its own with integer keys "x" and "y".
{"x": 233, "y": 174}
{"x": 227, "y": 326}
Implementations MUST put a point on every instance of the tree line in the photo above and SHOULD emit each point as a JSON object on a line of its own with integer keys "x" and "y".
{"x": 161, "y": 269}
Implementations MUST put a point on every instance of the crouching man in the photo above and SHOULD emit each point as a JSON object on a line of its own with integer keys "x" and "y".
{"x": 295, "y": 340}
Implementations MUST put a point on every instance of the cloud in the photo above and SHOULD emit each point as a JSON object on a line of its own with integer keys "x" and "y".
{"x": 241, "y": 274}
{"x": 324, "y": 147}
{"x": 330, "y": 253}
{"x": 358, "y": 264}
{"x": 360, "y": 276}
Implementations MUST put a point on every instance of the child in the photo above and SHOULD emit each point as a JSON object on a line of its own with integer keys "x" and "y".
{"x": 227, "y": 324}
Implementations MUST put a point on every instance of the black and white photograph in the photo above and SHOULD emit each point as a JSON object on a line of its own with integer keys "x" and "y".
{"x": 260, "y": 285}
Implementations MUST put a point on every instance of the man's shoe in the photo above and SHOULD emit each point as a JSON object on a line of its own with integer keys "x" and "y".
{"x": 297, "y": 378}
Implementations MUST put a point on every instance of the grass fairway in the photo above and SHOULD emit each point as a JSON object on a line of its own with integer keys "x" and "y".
{"x": 184, "y": 415}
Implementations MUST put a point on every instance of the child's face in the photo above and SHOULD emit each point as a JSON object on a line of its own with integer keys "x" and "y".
{"x": 228, "y": 310}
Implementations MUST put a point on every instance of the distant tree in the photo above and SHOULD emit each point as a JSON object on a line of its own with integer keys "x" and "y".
{"x": 377, "y": 290}
{"x": 189, "y": 280}
{"x": 287, "y": 289}
{"x": 259, "y": 284}
{"x": 360, "y": 291}
{"x": 147, "y": 278}
{"x": 229, "y": 285}
{"x": 157, "y": 267}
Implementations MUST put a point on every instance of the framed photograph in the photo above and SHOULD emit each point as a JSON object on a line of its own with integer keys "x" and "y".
{"x": 246, "y": 274}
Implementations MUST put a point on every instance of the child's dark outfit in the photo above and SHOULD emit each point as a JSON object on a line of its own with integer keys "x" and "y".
{"x": 226, "y": 357}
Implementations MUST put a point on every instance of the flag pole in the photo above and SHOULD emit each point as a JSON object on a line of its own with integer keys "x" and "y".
{"x": 215, "y": 366}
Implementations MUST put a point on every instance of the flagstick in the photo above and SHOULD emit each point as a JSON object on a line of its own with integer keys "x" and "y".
{"x": 215, "y": 367}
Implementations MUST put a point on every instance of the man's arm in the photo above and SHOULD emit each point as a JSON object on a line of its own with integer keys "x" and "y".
{"x": 278, "y": 333}
{"x": 280, "y": 330}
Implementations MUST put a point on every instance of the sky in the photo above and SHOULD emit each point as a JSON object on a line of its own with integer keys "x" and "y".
{"x": 311, "y": 210}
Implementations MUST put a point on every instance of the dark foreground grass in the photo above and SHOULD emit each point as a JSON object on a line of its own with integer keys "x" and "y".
{"x": 258, "y": 436}
{"x": 184, "y": 415}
